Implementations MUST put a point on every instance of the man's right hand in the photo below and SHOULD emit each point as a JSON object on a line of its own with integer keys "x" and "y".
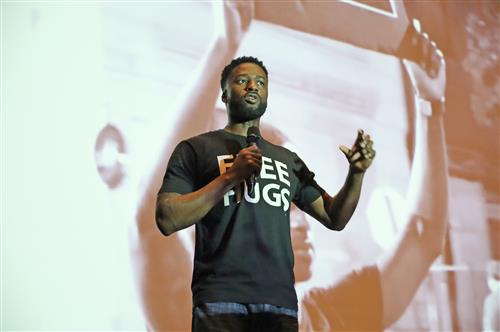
{"x": 247, "y": 162}
{"x": 175, "y": 211}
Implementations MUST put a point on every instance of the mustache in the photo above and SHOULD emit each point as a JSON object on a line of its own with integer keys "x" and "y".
{"x": 254, "y": 94}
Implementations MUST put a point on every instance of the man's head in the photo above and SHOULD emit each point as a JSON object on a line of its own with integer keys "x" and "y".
{"x": 244, "y": 89}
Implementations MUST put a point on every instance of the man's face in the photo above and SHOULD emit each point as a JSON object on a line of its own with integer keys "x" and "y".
{"x": 245, "y": 93}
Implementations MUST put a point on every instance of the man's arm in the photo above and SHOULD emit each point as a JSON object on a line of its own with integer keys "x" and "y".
{"x": 175, "y": 212}
{"x": 335, "y": 212}
{"x": 423, "y": 237}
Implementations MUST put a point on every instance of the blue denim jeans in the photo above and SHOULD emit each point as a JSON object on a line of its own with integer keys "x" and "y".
{"x": 238, "y": 317}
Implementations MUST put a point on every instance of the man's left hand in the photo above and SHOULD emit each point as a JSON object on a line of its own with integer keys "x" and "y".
{"x": 361, "y": 155}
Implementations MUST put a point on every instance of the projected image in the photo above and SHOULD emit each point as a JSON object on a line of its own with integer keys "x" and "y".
{"x": 110, "y": 150}
{"x": 98, "y": 121}
{"x": 417, "y": 219}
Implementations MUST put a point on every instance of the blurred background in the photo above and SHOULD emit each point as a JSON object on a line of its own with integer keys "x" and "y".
{"x": 89, "y": 91}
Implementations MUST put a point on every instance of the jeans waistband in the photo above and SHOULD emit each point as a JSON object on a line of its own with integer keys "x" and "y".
{"x": 218, "y": 308}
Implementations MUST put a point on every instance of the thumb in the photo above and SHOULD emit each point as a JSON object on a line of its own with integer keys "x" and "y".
{"x": 345, "y": 150}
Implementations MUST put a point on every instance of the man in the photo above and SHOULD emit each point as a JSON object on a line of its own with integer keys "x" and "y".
{"x": 243, "y": 265}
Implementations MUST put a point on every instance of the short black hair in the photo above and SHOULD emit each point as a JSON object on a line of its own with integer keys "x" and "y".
{"x": 242, "y": 59}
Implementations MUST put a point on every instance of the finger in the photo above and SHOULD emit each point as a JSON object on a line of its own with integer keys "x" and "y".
{"x": 366, "y": 139}
{"x": 433, "y": 64}
{"x": 426, "y": 49}
{"x": 255, "y": 166}
{"x": 435, "y": 60}
{"x": 256, "y": 159}
{"x": 360, "y": 135}
{"x": 370, "y": 144}
{"x": 255, "y": 153}
{"x": 355, "y": 157}
{"x": 363, "y": 143}
{"x": 345, "y": 150}
{"x": 440, "y": 55}
{"x": 368, "y": 154}
{"x": 432, "y": 56}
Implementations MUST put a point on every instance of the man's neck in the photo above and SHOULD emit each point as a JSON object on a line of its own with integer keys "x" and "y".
{"x": 241, "y": 128}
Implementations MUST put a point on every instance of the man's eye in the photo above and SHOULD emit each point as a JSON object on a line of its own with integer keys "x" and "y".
{"x": 261, "y": 83}
{"x": 240, "y": 81}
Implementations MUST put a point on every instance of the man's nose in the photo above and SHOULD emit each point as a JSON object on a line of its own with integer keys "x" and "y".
{"x": 251, "y": 86}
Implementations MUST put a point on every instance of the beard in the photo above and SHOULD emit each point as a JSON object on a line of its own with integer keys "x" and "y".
{"x": 240, "y": 111}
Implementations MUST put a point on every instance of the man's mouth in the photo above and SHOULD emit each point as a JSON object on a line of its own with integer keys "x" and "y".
{"x": 251, "y": 98}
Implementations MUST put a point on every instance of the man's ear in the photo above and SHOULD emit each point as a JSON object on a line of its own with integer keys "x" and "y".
{"x": 224, "y": 97}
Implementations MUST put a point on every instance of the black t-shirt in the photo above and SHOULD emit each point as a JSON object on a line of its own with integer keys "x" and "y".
{"x": 243, "y": 251}
{"x": 352, "y": 304}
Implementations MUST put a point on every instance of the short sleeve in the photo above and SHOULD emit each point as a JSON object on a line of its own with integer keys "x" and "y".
{"x": 307, "y": 188}
{"x": 352, "y": 304}
{"x": 180, "y": 176}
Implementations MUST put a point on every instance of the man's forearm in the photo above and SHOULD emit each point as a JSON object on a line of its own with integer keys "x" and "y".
{"x": 428, "y": 188}
{"x": 340, "y": 208}
{"x": 423, "y": 237}
{"x": 175, "y": 212}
